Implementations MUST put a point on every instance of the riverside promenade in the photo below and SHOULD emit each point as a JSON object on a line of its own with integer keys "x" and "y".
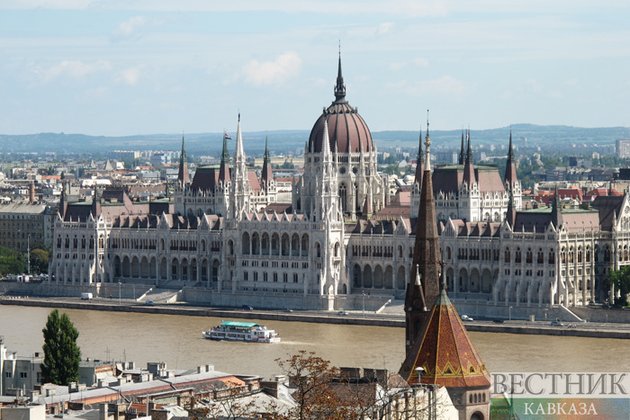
{"x": 367, "y": 318}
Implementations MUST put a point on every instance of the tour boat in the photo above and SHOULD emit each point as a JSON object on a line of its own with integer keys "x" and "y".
{"x": 242, "y": 331}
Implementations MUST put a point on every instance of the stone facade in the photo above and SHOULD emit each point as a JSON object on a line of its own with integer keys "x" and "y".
{"x": 227, "y": 232}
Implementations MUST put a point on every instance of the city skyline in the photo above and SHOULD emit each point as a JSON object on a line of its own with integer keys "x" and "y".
{"x": 119, "y": 68}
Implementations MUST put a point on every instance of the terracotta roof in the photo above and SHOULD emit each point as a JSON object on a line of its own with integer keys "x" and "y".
{"x": 445, "y": 352}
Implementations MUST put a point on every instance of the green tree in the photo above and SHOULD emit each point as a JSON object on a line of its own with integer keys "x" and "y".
{"x": 620, "y": 284}
{"x": 61, "y": 352}
{"x": 11, "y": 261}
{"x": 39, "y": 260}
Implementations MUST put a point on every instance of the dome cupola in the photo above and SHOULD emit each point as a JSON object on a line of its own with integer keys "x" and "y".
{"x": 347, "y": 130}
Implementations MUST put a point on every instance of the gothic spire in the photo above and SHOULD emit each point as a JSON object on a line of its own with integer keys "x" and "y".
{"x": 556, "y": 208}
{"x": 427, "y": 143}
{"x": 96, "y": 203}
{"x": 63, "y": 205}
{"x": 419, "y": 159}
{"x": 340, "y": 87}
{"x": 224, "y": 168}
{"x": 462, "y": 153}
{"x": 510, "y": 165}
{"x": 266, "y": 174}
{"x": 469, "y": 171}
{"x": 424, "y": 279}
{"x": 182, "y": 176}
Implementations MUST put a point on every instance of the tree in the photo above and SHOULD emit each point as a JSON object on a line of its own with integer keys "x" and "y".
{"x": 620, "y": 285}
{"x": 11, "y": 261}
{"x": 39, "y": 260}
{"x": 311, "y": 377}
{"x": 61, "y": 352}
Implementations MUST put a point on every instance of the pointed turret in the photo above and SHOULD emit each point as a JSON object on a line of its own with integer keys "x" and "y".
{"x": 462, "y": 152}
{"x": 240, "y": 182}
{"x": 266, "y": 174}
{"x": 510, "y": 166}
{"x": 224, "y": 167}
{"x": 415, "y": 311}
{"x": 183, "y": 178}
{"x": 445, "y": 356}
{"x": 95, "y": 209}
{"x": 469, "y": 170}
{"x": 340, "y": 87}
{"x": 63, "y": 201}
{"x": 556, "y": 208}
{"x": 426, "y": 257}
{"x": 419, "y": 159}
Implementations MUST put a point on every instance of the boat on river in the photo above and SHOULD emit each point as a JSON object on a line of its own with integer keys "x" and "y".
{"x": 250, "y": 332}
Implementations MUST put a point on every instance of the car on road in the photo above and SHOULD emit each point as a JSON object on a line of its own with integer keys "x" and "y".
{"x": 467, "y": 318}
{"x": 149, "y": 303}
{"x": 498, "y": 321}
{"x": 556, "y": 323}
{"x": 247, "y": 308}
{"x": 342, "y": 313}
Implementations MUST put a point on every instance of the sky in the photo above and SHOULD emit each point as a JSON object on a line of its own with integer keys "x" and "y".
{"x": 123, "y": 67}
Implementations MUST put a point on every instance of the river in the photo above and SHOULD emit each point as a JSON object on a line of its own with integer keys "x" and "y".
{"x": 177, "y": 341}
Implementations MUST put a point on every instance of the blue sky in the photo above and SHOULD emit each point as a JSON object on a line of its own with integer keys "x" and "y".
{"x": 117, "y": 67}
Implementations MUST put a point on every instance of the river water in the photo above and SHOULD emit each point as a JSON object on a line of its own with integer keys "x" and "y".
{"x": 177, "y": 341}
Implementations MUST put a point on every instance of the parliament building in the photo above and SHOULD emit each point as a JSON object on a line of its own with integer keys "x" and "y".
{"x": 226, "y": 238}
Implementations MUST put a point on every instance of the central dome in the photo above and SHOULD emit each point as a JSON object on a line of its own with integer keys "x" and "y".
{"x": 347, "y": 130}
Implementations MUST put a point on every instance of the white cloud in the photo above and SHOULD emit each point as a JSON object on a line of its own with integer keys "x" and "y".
{"x": 280, "y": 69}
{"x": 128, "y": 27}
{"x": 75, "y": 69}
{"x": 129, "y": 76}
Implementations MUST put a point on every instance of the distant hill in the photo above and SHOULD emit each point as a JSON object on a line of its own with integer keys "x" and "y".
{"x": 293, "y": 141}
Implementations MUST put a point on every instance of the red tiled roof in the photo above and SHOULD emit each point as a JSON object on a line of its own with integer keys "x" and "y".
{"x": 446, "y": 353}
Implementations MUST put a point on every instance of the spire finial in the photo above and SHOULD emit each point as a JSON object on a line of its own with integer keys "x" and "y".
{"x": 340, "y": 87}
{"x": 427, "y": 144}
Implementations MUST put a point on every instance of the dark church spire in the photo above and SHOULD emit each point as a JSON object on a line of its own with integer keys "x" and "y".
{"x": 469, "y": 170}
{"x": 419, "y": 159}
{"x": 95, "y": 209}
{"x": 340, "y": 87}
{"x": 424, "y": 280}
{"x": 462, "y": 152}
{"x": 510, "y": 166}
{"x": 182, "y": 176}
{"x": 224, "y": 168}
{"x": 266, "y": 174}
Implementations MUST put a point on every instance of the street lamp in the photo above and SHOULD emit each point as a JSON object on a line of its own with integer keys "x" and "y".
{"x": 510, "y": 313}
{"x": 119, "y": 293}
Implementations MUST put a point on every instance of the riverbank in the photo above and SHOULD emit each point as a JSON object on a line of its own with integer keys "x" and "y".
{"x": 348, "y": 318}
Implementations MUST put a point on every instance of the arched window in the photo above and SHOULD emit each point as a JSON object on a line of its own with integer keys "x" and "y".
{"x": 245, "y": 244}
{"x": 507, "y": 257}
